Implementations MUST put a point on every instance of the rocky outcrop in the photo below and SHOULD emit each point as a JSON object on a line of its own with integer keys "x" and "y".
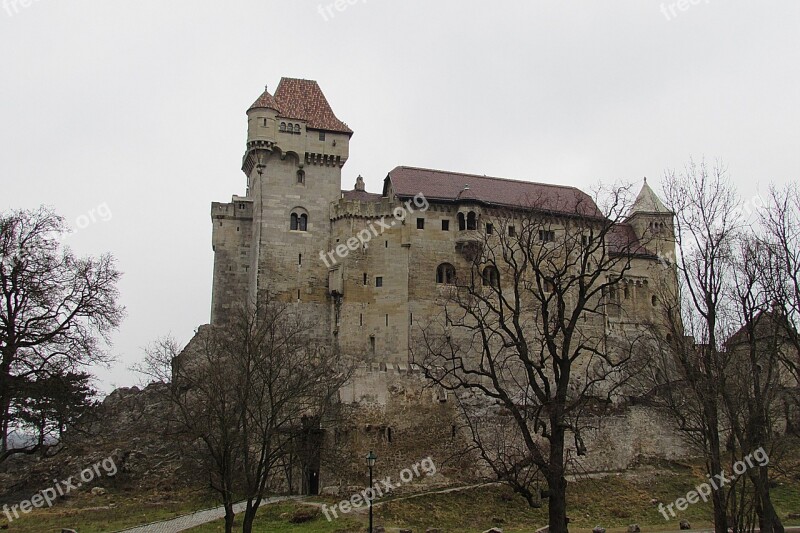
{"x": 119, "y": 444}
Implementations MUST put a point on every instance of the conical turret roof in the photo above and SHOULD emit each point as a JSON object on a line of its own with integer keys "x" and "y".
{"x": 648, "y": 202}
{"x": 266, "y": 100}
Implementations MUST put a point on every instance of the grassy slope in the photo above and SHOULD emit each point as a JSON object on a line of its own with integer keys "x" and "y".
{"x": 613, "y": 502}
{"x": 95, "y": 514}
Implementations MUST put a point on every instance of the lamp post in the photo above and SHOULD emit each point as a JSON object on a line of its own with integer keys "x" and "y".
{"x": 371, "y": 458}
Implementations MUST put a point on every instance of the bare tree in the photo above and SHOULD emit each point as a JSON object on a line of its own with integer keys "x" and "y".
{"x": 695, "y": 363}
{"x": 781, "y": 221}
{"x": 56, "y": 309}
{"x": 753, "y": 402}
{"x": 247, "y": 393}
{"x": 523, "y": 331}
{"x": 717, "y": 363}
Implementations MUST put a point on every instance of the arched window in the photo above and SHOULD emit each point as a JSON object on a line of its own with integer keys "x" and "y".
{"x": 301, "y": 177}
{"x": 462, "y": 224}
{"x": 446, "y": 274}
{"x": 491, "y": 277}
{"x": 283, "y": 126}
{"x": 472, "y": 221}
{"x": 297, "y": 128}
{"x": 298, "y": 222}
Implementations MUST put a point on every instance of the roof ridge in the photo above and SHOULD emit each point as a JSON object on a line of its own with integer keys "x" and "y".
{"x": 453, "y": 173}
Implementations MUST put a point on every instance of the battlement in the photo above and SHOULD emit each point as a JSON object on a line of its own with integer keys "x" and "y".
{"x": 347, "y": 208}
{"x": 237, "y": 209}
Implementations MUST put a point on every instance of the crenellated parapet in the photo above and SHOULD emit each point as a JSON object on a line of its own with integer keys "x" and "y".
{"x": 345, "y": 208}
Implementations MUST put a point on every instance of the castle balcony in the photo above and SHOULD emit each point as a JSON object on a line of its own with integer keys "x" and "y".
{"x": 469, "y": 243}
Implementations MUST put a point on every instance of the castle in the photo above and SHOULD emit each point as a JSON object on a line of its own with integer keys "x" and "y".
{"x": 365, "y": 267}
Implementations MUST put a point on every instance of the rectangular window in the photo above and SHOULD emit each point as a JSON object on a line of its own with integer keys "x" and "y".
{"x": 445, "y": 225}
{"x": 365, "y": 278}
{"x": 361, "y": 319}
{"x": 420, "y": 223}
{"x": 299, "y": 259}
{"x": 547, "y": 235}
{"x": 387, "y": 320}
{"x": 489, "y": 229}
{"x": 379, "y": 281}
{"x": 512, "y": 231}
{"x": 322, "y": 136}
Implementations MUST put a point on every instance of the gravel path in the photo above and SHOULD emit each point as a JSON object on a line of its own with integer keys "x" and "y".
{"x": 182, "y": 523}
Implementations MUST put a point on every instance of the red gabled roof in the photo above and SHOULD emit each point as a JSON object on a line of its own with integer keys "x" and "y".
{"x": 622, "y": 239}
{"x": 302, "y": 100}
{"x": 362, "y": 196}
{"x": 451, "y": 186}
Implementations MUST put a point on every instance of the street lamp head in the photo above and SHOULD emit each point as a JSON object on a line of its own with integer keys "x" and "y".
{"x": 371, "y": 458}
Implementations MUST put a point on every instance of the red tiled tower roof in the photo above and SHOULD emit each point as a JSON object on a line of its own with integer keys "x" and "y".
{"x": 302, "y": 100}
{"x": 266, "y": 100}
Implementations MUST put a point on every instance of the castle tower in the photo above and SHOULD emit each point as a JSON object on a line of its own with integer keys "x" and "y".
{"x": 653, "y": 223}
{"x": 296, "y": 148}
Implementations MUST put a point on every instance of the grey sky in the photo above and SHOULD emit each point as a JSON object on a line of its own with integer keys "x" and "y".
{"x": 140, "y": 107}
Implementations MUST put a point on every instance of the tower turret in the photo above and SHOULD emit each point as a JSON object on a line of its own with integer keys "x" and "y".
{"x": 653, "y": 222}
{"x": 261, "y": 119}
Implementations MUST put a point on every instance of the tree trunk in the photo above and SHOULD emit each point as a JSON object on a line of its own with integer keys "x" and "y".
{"x": 249, "y": 516}
{"x": 229, "y": 516}
{"x": 557, "y": 504}
{"x": 715, "y": 467}
{"x": 768, "y": 519}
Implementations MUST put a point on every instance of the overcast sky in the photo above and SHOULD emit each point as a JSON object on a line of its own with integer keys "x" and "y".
{"x": 133, "y": 113}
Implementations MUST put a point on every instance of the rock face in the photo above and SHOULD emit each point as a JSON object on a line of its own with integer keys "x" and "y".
{"x": 122, "y": 438}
